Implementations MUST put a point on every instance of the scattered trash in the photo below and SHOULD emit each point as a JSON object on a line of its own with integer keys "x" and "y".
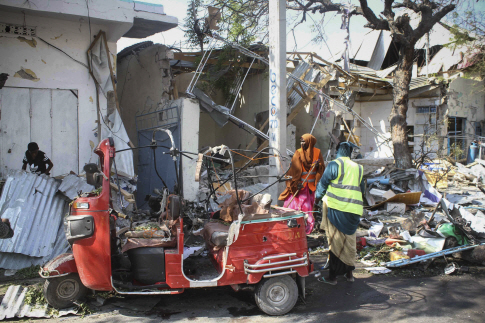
{"x": 451, "y": 268}
{"x": 402, "y": 262}
{"x": 375, "y": 229}
{"x": 9, "y": 272}
{"x": 378, "y": 270}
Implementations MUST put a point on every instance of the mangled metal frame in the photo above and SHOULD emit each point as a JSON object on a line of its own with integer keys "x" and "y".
{"x": 233, "y": 177}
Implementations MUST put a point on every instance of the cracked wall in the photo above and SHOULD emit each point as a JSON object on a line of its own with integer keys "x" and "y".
{"x": 144, "y": 85}
{"x": 31, "y": 63}
{"x": 466, "y": 99}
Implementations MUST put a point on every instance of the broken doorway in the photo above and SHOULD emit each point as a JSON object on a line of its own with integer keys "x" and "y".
{"x": 148, "y": 174}
{"x": 46, "y": 116}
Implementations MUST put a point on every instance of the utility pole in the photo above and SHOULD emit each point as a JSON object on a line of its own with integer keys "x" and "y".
{"x": 427, "y": 54}
{"x": 277, "y": 90}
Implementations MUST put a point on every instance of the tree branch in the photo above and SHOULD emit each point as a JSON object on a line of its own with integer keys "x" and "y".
{"x": 373, "y": 21}
{"x": 428, "y": 20}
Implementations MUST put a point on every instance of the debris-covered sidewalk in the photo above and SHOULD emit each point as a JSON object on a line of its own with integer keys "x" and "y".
{"x": 439, "y": 215}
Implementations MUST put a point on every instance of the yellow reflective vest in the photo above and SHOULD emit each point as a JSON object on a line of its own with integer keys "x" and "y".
{"x": 344, "y": 192}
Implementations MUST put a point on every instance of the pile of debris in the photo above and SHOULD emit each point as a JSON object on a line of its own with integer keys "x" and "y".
{"x": 401, "y": 227}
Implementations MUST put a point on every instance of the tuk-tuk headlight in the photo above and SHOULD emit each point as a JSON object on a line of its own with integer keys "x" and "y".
{"x": 81, "y": 205}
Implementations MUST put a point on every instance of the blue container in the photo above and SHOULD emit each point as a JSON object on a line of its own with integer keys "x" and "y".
{"x": 472, "y": 153}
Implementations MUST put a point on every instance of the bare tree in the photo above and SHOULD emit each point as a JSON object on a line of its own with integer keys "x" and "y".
{"x": 403, "y": 34}
{"x": 431, "y": 12}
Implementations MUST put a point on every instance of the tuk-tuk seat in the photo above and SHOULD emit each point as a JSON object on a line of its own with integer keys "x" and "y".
{"x": 215, "y": 234}
{"x": 133, "y": 243}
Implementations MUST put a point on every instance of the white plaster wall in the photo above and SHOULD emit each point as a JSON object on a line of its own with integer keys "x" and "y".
{"x": 55, "y": 70}
{"x": 466, "y": 99}
{"x": 143, "y": 81}
{"x": 377, "y": 113}
{"x": 255, "y": 99}
{"x": 190, "y": 142}
{"x": 116, "y": 15}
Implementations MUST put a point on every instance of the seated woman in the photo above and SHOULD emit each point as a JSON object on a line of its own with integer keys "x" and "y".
{"x": 306, "y": 170}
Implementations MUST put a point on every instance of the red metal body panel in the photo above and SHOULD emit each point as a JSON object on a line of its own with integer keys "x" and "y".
{"x": 93, "y": 255}
{"x": 173, "y": 262}
{"x": 62, "y": 264}
{"x": 255, "y": 241}
{"x": 259, "y": 240}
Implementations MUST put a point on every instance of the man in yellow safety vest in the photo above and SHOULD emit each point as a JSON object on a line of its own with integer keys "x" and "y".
{"x": 341, "y": 188}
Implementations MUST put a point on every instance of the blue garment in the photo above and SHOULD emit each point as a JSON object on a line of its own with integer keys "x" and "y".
{"x": 345, "y": 222}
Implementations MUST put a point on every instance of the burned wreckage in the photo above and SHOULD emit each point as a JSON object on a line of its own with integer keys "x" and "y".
{"x": 250, "y": 244}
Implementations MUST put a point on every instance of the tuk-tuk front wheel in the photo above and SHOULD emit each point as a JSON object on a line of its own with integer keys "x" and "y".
{"x": 62, "y": 292}
{"x": 277, "y": 295}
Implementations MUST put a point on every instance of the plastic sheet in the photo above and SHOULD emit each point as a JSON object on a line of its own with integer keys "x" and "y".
{"x": 124, "y": 160}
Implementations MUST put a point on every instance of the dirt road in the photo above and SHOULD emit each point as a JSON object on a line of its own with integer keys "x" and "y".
{"x": 369, "y": 299}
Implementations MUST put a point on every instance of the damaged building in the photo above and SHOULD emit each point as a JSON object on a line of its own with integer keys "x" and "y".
{"x": 56, "y": 96}
{"x": 58, "y": 88}
{"x": 446, "y": 109}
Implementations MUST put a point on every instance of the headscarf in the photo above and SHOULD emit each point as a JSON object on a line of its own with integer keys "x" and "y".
{"x": 306, "y": 157}
{"x": 302, "y": 158}
{"x": 344, "y": 149}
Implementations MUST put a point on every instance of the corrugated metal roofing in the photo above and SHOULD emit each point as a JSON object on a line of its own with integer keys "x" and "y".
{"x": 311, "y": 76}
{"x": 416, "y": 82}
{"x": 380, "y": 50}
{"x": 35, "y": 212}
{"x": 366, "y": 48}
{"x": 444, "y": 60}
{"x": 13, "y": 305}
{"x": 19, "y": 261}
{"x": 385, "y": 72}
{"x": 72, "y": 184}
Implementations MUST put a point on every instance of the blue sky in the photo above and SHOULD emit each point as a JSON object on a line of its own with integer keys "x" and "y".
{"x": 302, "y": 34}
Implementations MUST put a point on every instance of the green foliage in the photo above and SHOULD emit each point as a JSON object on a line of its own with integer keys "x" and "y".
{"x": 460, "y": 37}
{"x": 29, "y": 272}
{"x": 194, "y": 25}
{"x": 469, "y": 36}
{"x": 456, "y": 151}
{"x": 34, "y": 295}
{"x": 234, "y": 24}
{"x": 148, "y": 226}
{"x": 84, "y": 309}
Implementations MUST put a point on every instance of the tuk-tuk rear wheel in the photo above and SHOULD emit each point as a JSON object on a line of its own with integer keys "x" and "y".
{"x": 276, "y": 295}
{"x": 62, "y": 292}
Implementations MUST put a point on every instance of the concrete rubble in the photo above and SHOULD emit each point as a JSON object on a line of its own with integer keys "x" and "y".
{"x": 417, "y": 215}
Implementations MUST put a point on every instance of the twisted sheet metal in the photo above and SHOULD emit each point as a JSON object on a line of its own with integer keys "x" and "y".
{"x": 35, "y": 212}
{"x": 72, "y": 184}
{"x": 18, "y": 261}
{"x": 311, "y": 76}
{"x": 14, "y": 305}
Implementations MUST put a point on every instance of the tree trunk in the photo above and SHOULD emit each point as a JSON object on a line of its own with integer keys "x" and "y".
{"x": 397, "y": 118}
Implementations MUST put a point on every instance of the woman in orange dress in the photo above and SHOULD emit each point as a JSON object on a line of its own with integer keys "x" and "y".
{"x": 306, "y": 170}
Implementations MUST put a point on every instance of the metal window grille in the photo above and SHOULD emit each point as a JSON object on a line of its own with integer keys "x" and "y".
{"x": 430, "y": 109}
